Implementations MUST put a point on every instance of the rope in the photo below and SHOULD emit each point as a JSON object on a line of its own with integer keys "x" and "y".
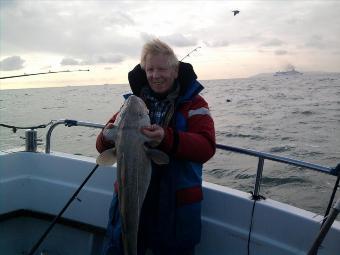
{"x": 15, "y": 128}
{"x": 255, "y": 199}
{"x": 250, "y": 227}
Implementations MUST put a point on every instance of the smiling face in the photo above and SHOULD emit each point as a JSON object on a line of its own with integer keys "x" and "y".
{"x": 160, "y": 74}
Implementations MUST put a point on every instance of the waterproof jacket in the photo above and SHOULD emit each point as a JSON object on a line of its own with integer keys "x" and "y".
{"x": 171, "y": 213}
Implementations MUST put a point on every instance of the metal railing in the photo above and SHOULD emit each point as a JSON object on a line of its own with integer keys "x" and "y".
{"x": 262, "y": 156}
{"x": 329, "y": 216}
{"x": 68, "y": 123}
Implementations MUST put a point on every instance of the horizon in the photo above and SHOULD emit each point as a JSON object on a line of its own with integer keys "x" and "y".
{"x": 265, "y": 37}
{"x": 258, "y": 75}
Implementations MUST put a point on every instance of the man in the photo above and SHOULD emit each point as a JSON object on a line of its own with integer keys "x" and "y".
{"x": 182, "y": 127}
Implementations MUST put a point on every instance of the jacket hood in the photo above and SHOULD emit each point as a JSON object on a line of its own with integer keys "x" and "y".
{"x": 186, "y": 76}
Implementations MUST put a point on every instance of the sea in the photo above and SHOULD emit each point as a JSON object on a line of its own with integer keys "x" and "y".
{"x": 295, "y": 116}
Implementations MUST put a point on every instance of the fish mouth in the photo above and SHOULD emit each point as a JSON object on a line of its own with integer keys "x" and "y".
{"x": 134, "y": 100}
{"x": 137, "y": 102}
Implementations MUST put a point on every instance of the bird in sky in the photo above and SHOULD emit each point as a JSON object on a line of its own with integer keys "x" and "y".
{"x": 236, "y": 12}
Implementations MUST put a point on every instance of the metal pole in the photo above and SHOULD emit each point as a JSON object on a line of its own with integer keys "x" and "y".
{"x": 68, "y": 123}
{"x": 325, "y": 228}
{"x": 49, "y": 133}
{"x": 256, "y": 193}
{"x": 31, "y": 140}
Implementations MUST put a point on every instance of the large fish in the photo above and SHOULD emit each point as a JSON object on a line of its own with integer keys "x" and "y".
{"x": 133, "y": 157}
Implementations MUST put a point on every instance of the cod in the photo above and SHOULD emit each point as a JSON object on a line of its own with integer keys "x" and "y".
{"x": 133, "y": 156}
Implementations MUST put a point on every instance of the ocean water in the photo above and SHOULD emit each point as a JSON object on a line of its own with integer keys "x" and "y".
{"x": 292, "y": 116}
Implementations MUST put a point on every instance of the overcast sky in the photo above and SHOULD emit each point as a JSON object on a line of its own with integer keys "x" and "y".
{"x": 107, "y": 36}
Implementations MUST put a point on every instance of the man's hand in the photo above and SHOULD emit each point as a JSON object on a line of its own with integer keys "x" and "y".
{"x": 155, "y": 133}
{"x": 108, "y": 133}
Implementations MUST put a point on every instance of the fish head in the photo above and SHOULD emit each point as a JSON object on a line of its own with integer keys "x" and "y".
{"x": 133, "y": 113}
{"x": 132, "y": 116}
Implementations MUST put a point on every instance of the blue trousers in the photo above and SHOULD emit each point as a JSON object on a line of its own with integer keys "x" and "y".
{"x": 113, "y": 244}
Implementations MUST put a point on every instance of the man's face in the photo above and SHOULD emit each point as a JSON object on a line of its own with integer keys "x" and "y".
{"x": 159, "y": 74}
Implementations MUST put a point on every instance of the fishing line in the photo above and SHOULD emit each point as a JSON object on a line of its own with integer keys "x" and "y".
{"x": 42, "y": 238}
{"x": 187, "y": 55}
{"x": 49, "y": 72}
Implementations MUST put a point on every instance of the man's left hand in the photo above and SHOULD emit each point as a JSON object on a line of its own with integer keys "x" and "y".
{"x": 155, "y": 133}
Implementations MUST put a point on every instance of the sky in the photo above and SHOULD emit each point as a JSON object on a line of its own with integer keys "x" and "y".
{"x": 106, "y": 37}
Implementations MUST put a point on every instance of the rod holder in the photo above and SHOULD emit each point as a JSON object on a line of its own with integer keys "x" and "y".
{"x": 31, "y": 140}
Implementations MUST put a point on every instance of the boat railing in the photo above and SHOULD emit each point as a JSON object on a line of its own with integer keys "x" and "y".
{"x": 67, "y": 123}
{"x": 262, "y": 156}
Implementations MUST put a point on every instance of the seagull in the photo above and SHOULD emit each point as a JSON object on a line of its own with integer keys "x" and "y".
{"x": 236, "y": 12}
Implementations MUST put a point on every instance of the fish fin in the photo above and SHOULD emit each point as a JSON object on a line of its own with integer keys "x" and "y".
{"x": 157, "y": 156}
{"x": 107, "y": 158}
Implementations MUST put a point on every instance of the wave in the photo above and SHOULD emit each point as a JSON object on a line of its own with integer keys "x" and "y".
{"x": 276, "y": 181}
{"x": 279, "y": 149}
{"x": 53, "y": 107}
{"x": 306, "y": 112}
{"x": 251, "y": 137}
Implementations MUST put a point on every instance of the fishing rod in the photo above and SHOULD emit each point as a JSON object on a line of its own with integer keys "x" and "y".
{"x": 187, "y": 55}
{"x": 49, "y": 72}
{"x": 42, "y": 238}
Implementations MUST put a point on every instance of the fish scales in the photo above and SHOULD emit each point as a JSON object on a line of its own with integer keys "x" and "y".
{"x": 133, "y": 159}
{"x": 133, "y": 171}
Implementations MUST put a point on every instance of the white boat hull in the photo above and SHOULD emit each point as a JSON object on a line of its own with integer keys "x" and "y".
{"x": 42, "y": 183}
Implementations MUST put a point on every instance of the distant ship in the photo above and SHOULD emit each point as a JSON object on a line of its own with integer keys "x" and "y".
{"x": 289, "y": 72}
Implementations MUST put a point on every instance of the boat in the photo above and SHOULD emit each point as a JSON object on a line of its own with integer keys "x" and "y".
{"x": 57, "y": 203}
{"x": 288, "y": 72}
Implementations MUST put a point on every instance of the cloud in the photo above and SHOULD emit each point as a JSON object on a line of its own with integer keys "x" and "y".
{"x": 281, "y": 52}
{"x": 12, "y": 63}
{"x": 69, "y": 62}
{"x": 109, "y": 32}
{"x": 316, "y": 41}
{"x": 175, "y": 40}
{"x": 108, "y": 59}
{"x": 119, "y": 18}
{"x": 272, "y": 42}
{"x": 179, "y": 40}
{"x": 65, "y": 29}
{"x": 216, "y": 43}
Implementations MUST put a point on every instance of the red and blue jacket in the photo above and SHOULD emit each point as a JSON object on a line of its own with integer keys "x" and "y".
{"x": 171, "y": 214}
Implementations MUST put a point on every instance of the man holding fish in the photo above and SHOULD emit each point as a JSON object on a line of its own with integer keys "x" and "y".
{"x": 159, "y": 165}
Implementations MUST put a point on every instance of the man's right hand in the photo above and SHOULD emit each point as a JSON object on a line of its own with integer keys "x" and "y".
{"x": 108, "y": 133}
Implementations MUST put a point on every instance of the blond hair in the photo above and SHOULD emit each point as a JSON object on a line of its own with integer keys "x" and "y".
{"x": 155, "y": 47}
